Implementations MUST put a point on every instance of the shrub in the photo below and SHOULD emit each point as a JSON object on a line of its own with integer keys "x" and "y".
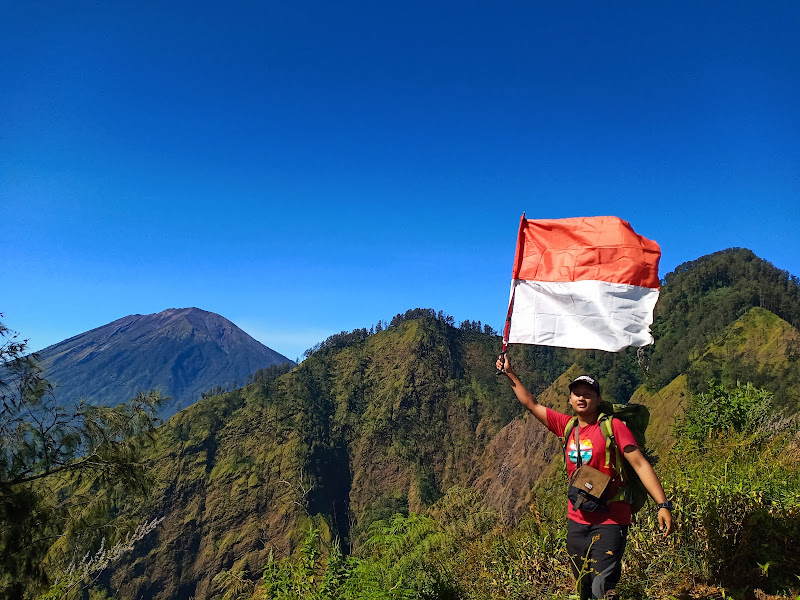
{"x": 735, "y": 483}
{"x": 744, "y": 409}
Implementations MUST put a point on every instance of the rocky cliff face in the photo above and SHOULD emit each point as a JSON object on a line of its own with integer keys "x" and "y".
{"x": 520, "y": 454}
{"x": 350, "y": 436}
{"x": 181, "y": 352}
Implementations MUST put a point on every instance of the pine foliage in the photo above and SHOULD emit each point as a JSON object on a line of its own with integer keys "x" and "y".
{"x": 62, "y": 469}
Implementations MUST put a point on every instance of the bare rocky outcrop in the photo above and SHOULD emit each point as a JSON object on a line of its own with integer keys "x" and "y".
{"x": 518, "y": 455}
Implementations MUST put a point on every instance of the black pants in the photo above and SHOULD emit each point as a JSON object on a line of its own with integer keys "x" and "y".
{"x": 596, "y": 563}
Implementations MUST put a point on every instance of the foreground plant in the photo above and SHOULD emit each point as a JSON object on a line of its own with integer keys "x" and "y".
{"x": 81, "y": 575}
{"x": 61, "y": 469}
{"x": 736, "y": 491}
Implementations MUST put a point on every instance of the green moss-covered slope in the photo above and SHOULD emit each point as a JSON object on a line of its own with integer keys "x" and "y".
{"x": 352, "y": 434}
{"x": 759, "y": 347}
{"x": 701, "y": 298}
{"x": 372, "y": 425}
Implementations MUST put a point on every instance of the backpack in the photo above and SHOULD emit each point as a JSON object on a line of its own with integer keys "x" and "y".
{"x": 636, "y": 417}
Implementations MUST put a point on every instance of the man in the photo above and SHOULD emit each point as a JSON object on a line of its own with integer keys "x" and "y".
{"x": 595, "y": 539}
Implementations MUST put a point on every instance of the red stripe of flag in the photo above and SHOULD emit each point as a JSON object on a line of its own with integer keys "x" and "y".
{"x": 585, "y": 248}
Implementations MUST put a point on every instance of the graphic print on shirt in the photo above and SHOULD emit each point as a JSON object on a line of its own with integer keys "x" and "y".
{"x": 586, "y": 450}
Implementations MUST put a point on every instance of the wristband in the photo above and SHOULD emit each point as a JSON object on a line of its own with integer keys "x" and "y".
{"x": 667, "y": 505}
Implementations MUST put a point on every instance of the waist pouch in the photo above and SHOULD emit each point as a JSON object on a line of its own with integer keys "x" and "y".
{"x": 586, "y": 488}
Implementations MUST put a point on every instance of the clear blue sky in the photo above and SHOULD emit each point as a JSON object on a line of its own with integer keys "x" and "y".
{"x": 307, "y": 167}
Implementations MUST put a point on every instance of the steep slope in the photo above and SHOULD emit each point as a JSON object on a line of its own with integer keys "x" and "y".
{"x": 351, "y": 435}
{"x": 665, "y": 406}
{"x": 181, "y": 352}
{"x": 520, "y": 454}
{"x": 759, "y": 347}
{"x": 701, "y": 298}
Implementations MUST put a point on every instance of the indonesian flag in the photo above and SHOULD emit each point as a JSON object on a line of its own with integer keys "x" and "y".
{"x": 589, "y": 282}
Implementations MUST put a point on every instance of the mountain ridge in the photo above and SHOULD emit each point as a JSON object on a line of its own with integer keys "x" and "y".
{"x": 181, "y": 352}
{"x": 350, "y": 436}
{"x": 387, "y": 423}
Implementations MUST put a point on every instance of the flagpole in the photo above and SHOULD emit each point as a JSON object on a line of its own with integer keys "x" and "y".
{"x": 514, "y": 273}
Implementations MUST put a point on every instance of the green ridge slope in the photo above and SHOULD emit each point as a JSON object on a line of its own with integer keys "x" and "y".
{"x": 384, "y": 423}
{"x": 351, "y": 435}
{"x": 759, "y": 347}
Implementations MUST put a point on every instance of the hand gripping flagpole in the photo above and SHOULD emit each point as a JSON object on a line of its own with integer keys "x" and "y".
{"x": 514, "y": 276}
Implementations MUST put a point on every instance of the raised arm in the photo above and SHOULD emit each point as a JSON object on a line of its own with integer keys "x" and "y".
{"x": 527, "y": 399}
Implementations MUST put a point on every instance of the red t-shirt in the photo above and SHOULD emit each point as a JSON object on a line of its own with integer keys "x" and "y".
{"x": 593, "y": 453}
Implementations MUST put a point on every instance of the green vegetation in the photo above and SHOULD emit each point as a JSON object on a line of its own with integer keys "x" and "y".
{"x": 63, "y": 470}
{"x": 742, "y": 409}
{"x": 735, "y": 480}
{"x": 391, "y": 463}
{"x": 759, "y": 347}
{"x": 737, "y": 497}
{"x": 700, "y": 299}
{"x": 418, "y": 556}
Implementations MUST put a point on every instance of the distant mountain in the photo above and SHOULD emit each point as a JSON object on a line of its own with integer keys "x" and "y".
{"x": 182, "y": 352}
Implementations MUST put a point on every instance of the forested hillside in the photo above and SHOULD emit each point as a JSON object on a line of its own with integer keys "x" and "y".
{"x": 354, "y": 434}
{"x": 393, "y": 462}
{"x": 701, "y": 298}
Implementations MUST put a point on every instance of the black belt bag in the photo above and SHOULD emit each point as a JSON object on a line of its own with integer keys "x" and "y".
{"x": 587, "y": 485}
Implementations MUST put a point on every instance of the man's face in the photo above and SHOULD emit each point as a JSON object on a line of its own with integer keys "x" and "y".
{"x": 584, "y": 400}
